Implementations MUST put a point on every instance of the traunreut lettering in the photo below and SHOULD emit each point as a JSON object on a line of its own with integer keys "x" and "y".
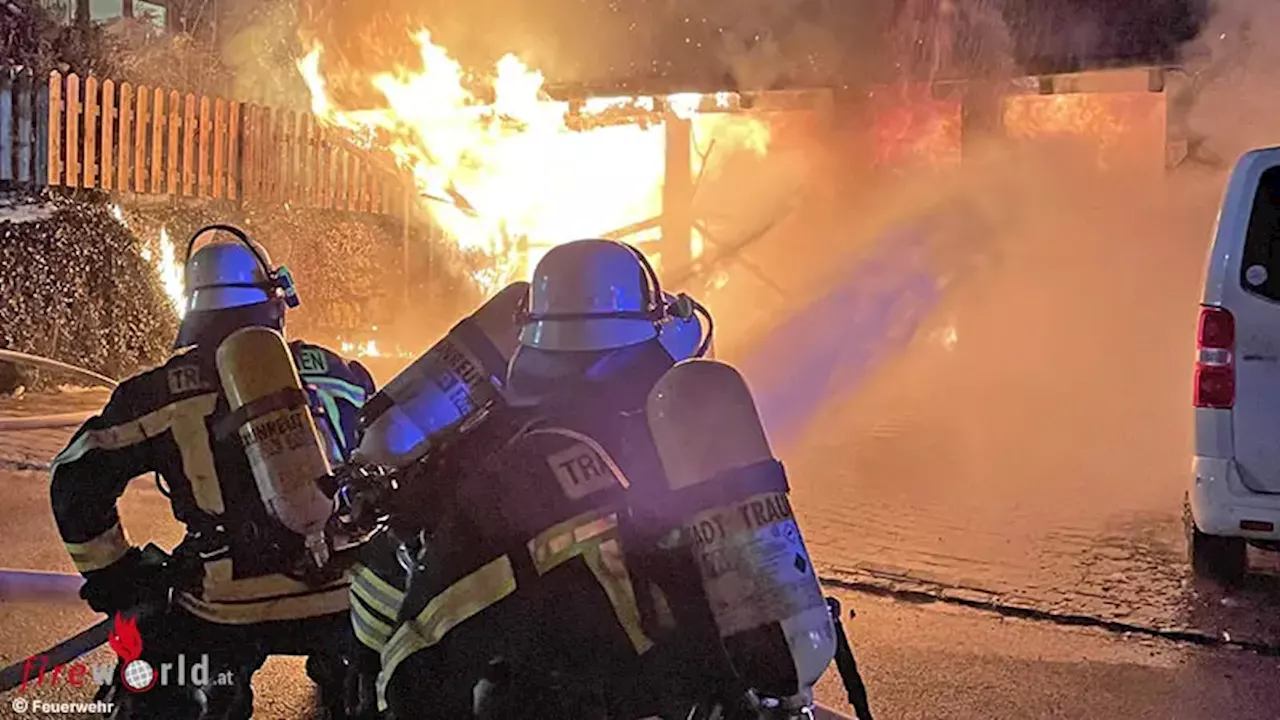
{"x": 771, "y": 509}
{"x": 262, "y": 431}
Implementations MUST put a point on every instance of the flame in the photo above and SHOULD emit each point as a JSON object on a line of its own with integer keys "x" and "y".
{"x": 504, "y": 170}
{"x": 1095, "y": 118}
{"x": 125, "y": 639}
{"x": 911, "y": 127}
{"x": 365, "y": 349}
{"x": 171, "y": 272}
{"x": 369, "y": 348}
{"x": 167, "y": 267}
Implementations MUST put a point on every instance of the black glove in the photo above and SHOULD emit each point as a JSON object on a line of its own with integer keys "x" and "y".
{"x": 138, "y": 578}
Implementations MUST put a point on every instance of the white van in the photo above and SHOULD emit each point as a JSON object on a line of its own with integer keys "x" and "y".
{"x": 1234, "y": 499}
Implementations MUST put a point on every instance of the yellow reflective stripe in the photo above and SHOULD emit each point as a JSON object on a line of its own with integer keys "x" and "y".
{"x": 326, "y": 602}
{"x": 186, "y": 419}
{"x": 376, "y": 592}
{"x": 460, "y": 601}
{"x": 370, "y": 629}
{"x": 191, "y": 435}
{"x": 221, "y": 585}
{"x": 101, "y": 551}
{"x": 593, "y": 536}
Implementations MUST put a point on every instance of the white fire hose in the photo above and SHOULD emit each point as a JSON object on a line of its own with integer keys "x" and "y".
{"x": 44, "y": 422}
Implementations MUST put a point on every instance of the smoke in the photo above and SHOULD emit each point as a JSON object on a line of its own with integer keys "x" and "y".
{"x": 1044, "y": 365}
{"x": 259, "y": 44}
{"x": 1227, "y": 101}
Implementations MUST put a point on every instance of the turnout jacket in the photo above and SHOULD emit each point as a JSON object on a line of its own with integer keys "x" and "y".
{"x": 533, "y": 558}
{"x": 165, "y": 421}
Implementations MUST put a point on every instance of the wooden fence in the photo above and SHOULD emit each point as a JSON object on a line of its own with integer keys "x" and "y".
{"x": 97, "y": 134}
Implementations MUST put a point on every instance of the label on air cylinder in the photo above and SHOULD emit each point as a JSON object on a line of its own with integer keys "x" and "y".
{"x": 283, "y": 445}
{"x": 755, "y": 568}
{"x": 459, "y": 376}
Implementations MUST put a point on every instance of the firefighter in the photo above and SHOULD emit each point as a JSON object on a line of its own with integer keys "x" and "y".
{"x": 524, "y": 605}
{"x": 418, "y": 409}
{"x": 234, "y": 594}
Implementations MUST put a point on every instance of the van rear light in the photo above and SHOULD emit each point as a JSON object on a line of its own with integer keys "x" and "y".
{"x": 1215, "y": 377}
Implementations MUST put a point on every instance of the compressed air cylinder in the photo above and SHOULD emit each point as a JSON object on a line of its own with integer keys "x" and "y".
{"x": 449, "y": 385}
{"x": 756, "y": 572}
{"x": 278, "y": 432}
{"x": 682, "y": 337}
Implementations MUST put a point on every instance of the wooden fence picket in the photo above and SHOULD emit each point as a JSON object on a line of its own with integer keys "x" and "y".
{"x": 322, "y": 167}
{"x": 290, "y": 148}
{"x": 90, "y": 158}
{"x": 189, "y": 146}
{"x": 306, "y": 159}
{"x": 124, "y": 147}
{"x": 6, "y": 127}
{"x": 174, "y": 130}
{"x": 277, "y": 145}
{"x": 235, "y": 162}
{"x": 26, "y": 129}
{"x": 142, "y": 121}
{"x": 113, "y": 136}
{"x": 202, "y": 155}
{"x": 219, "y": 178}
{"x": 107, "y": 147}
{"x": 248, "y": 150}
{"x": 157, "y": 141}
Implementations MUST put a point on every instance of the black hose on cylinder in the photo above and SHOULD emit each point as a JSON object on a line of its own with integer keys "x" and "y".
{"x": 854, "y": 688}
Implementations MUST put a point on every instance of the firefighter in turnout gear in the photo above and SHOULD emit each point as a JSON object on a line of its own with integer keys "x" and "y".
{"x": 455, "y": 384}
{"x": 232, "y": 588}
{"x": 521, "y": 601}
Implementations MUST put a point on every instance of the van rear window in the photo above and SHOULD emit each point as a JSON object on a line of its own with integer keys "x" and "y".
{"x": 1260, "y": 265}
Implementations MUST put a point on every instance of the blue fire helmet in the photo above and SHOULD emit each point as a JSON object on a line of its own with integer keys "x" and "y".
{"x": 591, "y": 295}
{"x": 231, "y": 282}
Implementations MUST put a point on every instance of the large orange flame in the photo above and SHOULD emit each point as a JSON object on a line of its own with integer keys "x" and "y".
{"x": 1105, "y": 123}
{"x": 503, "y": 170}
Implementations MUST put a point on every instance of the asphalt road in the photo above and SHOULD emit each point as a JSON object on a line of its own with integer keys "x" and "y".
{"x": 1085, "y": 617}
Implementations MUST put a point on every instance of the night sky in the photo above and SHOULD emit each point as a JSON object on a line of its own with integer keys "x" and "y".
{"x": 1109, "y": 31}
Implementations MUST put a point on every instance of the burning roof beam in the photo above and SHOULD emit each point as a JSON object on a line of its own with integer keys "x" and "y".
{"x": 587, "y": 112}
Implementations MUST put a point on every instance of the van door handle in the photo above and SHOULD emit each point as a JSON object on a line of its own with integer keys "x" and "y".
{"x": 1262, "y": 358}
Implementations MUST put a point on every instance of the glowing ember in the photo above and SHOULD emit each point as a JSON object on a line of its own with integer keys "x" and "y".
{"x": 505, "y": 175}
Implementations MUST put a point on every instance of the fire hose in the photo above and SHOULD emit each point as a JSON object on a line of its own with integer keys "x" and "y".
{"x": 20, "y": 584}
{"x": 44, "y": 586}
{"x": 60, "y": 420}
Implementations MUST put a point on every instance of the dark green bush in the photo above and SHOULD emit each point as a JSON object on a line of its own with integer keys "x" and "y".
{"x": 74, "y": 287}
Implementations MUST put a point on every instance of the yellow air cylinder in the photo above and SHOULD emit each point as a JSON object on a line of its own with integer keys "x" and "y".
{"x": 278, "y": 433}
{"x": 756, "y": 572}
